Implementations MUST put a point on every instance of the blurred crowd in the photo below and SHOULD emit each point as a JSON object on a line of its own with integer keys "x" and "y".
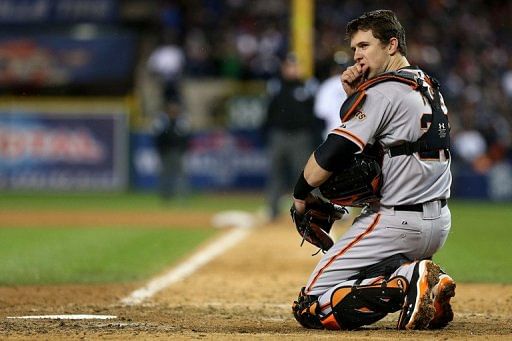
{"x": 182, "y": 60}
{"x": 464, "y": 44}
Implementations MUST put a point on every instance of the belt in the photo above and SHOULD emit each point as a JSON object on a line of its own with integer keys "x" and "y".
{"x": 416, "y": 207}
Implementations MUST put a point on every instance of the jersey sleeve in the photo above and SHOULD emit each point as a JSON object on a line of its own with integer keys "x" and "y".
{"x": 365, "y": 124}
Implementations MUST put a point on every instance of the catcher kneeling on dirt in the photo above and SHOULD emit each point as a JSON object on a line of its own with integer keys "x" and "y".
{"x": 391, "y": 156}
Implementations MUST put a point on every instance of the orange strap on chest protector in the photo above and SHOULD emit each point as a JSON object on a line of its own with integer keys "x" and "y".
{"x": 355, "y": 101}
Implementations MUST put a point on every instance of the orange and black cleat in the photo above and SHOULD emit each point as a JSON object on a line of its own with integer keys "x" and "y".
{"x": 418, "y": 310}
{"x": 443, "y": 292}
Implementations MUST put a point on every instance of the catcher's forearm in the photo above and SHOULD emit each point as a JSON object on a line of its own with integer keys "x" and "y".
{"x": 315, "y": 174}
{"x": 312, "y": 177}
{"x": 302, "y": 188}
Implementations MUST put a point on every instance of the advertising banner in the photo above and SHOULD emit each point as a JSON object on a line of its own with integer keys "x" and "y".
{"x": 57, "y": 60}
{"x": 144, "y": 161}
{"x": 227, "y": 160}
{"x": 63, "y": 152}
{"x": 215, "y": 160}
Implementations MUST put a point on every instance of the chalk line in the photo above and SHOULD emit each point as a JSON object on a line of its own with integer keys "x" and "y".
{"x": 64, "y": 317}
{"x": 188, "y": 267}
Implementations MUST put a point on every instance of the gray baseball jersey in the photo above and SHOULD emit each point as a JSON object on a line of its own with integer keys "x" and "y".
{"x": 392, "y": 112}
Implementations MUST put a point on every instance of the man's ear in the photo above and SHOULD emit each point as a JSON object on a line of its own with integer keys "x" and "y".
{"x": 393, "y": 46}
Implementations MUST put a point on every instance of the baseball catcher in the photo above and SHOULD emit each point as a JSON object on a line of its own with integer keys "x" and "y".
{"x": 382, "y": 263}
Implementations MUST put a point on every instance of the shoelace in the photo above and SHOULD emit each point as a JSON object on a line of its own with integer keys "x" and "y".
{"x": 304, "y": 238}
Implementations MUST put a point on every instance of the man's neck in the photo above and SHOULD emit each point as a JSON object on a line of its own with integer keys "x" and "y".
{"x": 397, "y": 62}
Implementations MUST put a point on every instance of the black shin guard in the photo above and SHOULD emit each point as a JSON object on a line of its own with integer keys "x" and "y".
{"x": 353, "y": 307}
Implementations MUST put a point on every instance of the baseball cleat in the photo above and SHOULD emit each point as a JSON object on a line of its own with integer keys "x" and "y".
{"x": 443, "y": 292}
{"x": 418, "y": 308}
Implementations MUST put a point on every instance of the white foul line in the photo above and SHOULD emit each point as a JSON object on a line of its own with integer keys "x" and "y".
{"x": 64, "y": 317}
{"x": 188, "y": 267}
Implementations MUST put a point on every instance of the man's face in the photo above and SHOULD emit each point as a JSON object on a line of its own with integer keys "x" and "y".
{"x": 290, "y": 70}
{"x": 369, "y": 53}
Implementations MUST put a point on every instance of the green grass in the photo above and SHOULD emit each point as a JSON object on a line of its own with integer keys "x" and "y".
{"x": 50, "y": 256}
{"x": 129, "y": 201}
{"x": 66, "y": 254}
{"x": 478, "y": 248}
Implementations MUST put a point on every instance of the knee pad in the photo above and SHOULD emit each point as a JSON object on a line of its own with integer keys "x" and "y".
{"x": 355, "y": 306}
{"x": 306, "y": 309}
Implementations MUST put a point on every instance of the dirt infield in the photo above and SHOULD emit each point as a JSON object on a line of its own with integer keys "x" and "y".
{"x": 100, "y": 218}
{"x": 244, "y": 293}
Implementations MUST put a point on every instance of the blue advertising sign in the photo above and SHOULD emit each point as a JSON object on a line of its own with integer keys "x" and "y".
{"x": 62, "y": 152}
{"x": 227, "y": 160}
{"x": 215, "y": 160}
{"x": 144, "y": 161}
{"x": 56, "y": 60}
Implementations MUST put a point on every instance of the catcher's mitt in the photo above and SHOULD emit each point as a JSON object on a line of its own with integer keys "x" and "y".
{"x": 357, "y": 185}
{"x": 316, "y": 223}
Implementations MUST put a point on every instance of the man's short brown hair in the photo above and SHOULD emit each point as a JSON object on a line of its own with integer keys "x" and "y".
{"x": 384, "y": 25}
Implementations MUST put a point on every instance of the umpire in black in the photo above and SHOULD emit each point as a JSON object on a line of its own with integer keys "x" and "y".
{"x": 171, "y": 139}
{"x": 291, "y": 130}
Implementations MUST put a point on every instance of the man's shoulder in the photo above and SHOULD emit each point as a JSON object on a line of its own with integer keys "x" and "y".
{"x": 409, "y": 76}
{"x": 389, "y": 86}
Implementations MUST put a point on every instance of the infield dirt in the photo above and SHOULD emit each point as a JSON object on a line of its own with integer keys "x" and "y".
{"x": 244, "y": 293}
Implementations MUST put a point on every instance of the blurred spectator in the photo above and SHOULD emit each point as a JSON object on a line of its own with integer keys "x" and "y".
{"x": 199, "y": 54}
{"x": 290, "y": 130}
{"x": 329, "y": 98}
{"x": 469, "y": 145}
{"x": 171, "y": 132}
{"x": 500, "y": 181}
{"x": 167, "y": 63}
{"x": 507, "y": 81}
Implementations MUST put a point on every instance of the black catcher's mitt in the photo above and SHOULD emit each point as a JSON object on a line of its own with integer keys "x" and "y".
{"x": 316, "y": 223}
{"x": 357, "y": 185}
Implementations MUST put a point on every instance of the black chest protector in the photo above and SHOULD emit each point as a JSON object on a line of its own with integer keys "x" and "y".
{"x": 437, "y": 137}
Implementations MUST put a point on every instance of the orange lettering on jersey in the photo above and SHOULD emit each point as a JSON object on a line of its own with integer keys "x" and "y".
{"x": 360, "y": 115}
{"x": 351, "y": 105}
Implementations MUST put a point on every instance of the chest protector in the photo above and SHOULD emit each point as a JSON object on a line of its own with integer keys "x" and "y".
{"x": 437, "y": 137}
{"x": 360, "y": 183}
